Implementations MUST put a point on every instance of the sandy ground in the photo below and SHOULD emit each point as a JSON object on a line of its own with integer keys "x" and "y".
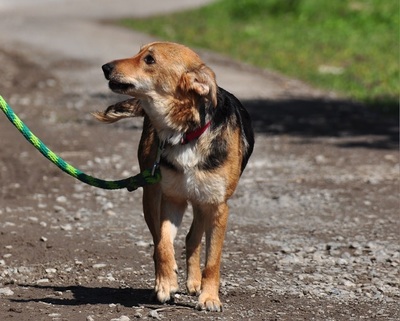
{"x": 314, "y": 224}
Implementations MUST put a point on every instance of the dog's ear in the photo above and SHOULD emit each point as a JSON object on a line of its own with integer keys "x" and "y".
{"x": 201, "y": 81}
{"x": 123, "y": 109}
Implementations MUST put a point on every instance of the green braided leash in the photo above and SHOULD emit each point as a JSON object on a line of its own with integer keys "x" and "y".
{"x": 150, "y": 176}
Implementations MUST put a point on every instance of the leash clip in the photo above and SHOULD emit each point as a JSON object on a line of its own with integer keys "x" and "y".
{"x": 156, "y": 164}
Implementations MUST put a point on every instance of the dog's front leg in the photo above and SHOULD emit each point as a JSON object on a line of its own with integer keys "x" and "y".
{"x": 166, "y": 283}
{"x": 215, "y": 227}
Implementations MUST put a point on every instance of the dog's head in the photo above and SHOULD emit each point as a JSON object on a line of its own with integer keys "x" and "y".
{"x": 162, "y": 70}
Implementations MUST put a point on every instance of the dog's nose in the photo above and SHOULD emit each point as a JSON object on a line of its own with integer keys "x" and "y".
{"x": 107, "y": 69}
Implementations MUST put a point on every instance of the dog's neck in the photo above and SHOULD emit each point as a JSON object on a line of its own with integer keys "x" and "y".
{"x": 179, "y": 129}
{"x": 192, "y": 135}
{"x": 179, "y": 138}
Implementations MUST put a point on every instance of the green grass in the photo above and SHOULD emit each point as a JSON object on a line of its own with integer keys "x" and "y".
{"x": 351, "y": 47}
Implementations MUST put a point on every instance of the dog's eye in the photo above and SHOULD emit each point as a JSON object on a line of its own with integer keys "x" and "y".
{"x": 149, "y": 60}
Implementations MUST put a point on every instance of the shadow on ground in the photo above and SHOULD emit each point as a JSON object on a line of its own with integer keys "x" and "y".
{"x": 81, "y": 295}
{"x": 328, "y": 118}
{"x": 375, "y": 126}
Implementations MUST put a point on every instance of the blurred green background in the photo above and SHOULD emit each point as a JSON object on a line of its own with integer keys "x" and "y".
{"x": 350, "y": 47}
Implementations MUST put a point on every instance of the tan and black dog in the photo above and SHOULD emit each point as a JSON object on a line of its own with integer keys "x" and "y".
{"x": 207, "y": 140}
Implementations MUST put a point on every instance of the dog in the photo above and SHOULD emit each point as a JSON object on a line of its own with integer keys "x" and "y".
{"x": 204, "y": 138}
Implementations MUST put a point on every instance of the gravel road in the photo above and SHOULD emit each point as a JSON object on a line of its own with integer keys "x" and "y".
{"x": 314, "y": 224}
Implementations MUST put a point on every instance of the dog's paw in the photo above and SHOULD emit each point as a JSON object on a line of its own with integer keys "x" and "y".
{"x": 165, "y": 289}
{"x": 209, "y": 303}
{"x": 193, "y": 287}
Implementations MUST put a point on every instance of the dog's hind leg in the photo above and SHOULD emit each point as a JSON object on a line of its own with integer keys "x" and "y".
{"x": 193, "y": 251}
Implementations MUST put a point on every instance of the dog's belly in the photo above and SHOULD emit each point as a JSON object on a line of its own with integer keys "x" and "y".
{"x": 194, "y": 185}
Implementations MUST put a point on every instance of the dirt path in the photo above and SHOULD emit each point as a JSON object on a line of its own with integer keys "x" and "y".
{"x": 313, "y": 232}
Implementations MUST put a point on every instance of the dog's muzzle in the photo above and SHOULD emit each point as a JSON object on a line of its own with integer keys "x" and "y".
{"x": 107, "y": 70}
{"x": 115, "y": 83}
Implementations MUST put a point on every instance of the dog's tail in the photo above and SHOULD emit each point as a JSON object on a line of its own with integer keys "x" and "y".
{"x": 124, "y": 109}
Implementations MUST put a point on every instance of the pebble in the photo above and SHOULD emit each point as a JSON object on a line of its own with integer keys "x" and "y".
{"x": 154, "y": 314}
{"x": 142, "y": 244}
{"x": 138, "y": 315}
{"x": 122, "y": 318}
{"x": 61, "y": 199}
{"x": 391, "y": 158}
{"x": 348, "y": 283}
{"x": 66, "y": 227}
{"x": 291, "y": 259}
{"x": 54, "y": 315}
{"x": 380, "y": 256}
{"x": 99, "y": 265}
{"x": 320, "y": 159}
{"x": 6, "y": 291}
{"x": 341, "y": 261}
{"x": 59, "y": 209}
{"x": 110, "y": 213}
{"x": 24, "y": 270}
{"x": 107, "y": 206}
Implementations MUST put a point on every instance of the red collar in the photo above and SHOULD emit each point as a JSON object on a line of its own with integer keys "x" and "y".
{"x": 189, "y": 136}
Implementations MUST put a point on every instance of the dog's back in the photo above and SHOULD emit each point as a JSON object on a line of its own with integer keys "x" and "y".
{"x": 231, "y": 109}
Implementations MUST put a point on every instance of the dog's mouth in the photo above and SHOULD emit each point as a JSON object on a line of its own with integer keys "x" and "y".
{"x": 120, "y": 87}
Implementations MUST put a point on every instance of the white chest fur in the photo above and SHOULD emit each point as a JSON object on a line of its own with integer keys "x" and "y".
{"x": 189, "y": 182}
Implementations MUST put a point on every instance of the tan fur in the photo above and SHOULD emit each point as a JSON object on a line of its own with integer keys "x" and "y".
{"x": 168, "y": 93}
{"x": 124, "y": 109}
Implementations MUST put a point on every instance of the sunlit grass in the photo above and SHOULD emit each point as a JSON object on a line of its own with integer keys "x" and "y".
{"x": 351, "y": 47}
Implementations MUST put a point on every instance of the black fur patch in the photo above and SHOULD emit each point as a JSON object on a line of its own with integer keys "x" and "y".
{"x": 216, "y": 157}
{"x": 164, "y": 162}
{"x": 230, "y": 113}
